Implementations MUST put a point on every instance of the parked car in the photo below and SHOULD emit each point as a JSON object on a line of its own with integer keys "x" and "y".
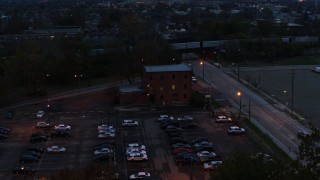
{"x": 169, "y": 123}
{"x": 175, "y": 134}
{"x": 40, "y": 114}
{"x": 139, "y": 175}
{"x": 136, "y": 145}
{"x": 105, "y": 145}
{"x": 172, "y": 130}
{"x": 208, "y": 166}
{"x": 199, "y": 140}
{"x": 194, "y": 79}
{"x": 103, "y": 151}
{"x": 208, "y": 158}
{"x": 5, "y": 129}
{"x": 135, "y": 150}
{"x": 103, "y": 157}
{"x": 137, "y": 157}
{"x": 56, "y": 149}
{"x": 205, "y": 153}
{"x": 173, "y": 127}
{"x": 106, "y": 130}
{"x": 129, "y": 122}
{"x": 36, "y": 149}
{"x": 189, "y": 126}
{"x": 38, "y": 138}
{"x": 106, "y": 135}
{"x": 105, "y": 126}
{"x": 2, "y": 131}
{"x": 3, "y": 136}
{"x": 223, "y": 119}
{"x": 178, "y": 140}
{"x": 182, "y": 149}
{"x": 303, "y": 134}
{"x": 24, "y": 169}
{"x": 236, "y": 130}
{"x": 43, "y": 124}
{"x": 32, "y": 153}
{"x": 60, "y": 133}
{"x": 202, "y": 143}
{"x": 40, "y": 133}
{"x": 26, "y": 158}
{"x": 165, "y": 117}
{"x": 177, "y": 145}
{"x": 62, "y": 127}
{"x": 185, "y": 118}
{"x": 186, "y": 159}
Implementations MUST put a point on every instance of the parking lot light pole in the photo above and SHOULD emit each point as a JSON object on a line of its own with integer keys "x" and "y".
{"x": 48, "y": 107}
{"x": 240, "y": 95}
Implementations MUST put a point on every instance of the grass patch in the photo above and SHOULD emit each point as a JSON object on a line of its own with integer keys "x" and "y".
{"x": 264, "y": 142}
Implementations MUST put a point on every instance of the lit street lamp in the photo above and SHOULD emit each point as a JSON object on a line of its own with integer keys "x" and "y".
{"x": 48, "y": 107}
{"x": 78, "y": 76}
{"x": 202, "y": 64}
{"x": 240, "y": 95}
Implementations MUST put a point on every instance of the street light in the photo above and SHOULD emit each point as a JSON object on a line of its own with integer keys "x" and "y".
{"x": 48, "y": 107}
{"x": 240, "y": 95}
{"x": 202, "y": 64}
{"x": 78, "y": 76}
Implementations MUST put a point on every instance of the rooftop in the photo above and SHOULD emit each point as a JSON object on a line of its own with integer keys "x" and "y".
{"x": 168, "y": 68}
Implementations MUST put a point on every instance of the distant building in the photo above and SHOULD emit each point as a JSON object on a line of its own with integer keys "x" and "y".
{"x": 168, "y": 84}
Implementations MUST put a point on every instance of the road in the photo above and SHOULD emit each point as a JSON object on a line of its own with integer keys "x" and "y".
{"x": 280, "y": 127}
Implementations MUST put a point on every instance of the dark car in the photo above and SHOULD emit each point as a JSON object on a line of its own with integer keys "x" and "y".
{"x": 9, "y": 115}
{"x": 2, "y": 131}
{"x": 199, "y": 140}
{"x": 204, "y": 148}
{"x": 190, "y": 126}
{"x": 26, "y": 158}
{"x": 166, "y": 124}
{"x": 5, "y": 129}
{"x": 3, "y": 136}
{"x": 103, "y": 157}
{"x": 174, "y": 134}
{"x": 173, "y": 127}
{"x": 32, "y": 153}
{"x": 105, "y": 145}
{"x": 60, "y": 133}
{"x": 177, "y": 145}
{"x": 172, "y": 130}
{"x": 186, "y": 159}
{"x": 23, "y": 169}
{"x": 178, "y": 140}
{"x": 177, "y": 136}
{"x": 209, "y": 158}
{"x": 38, "y": 138}
{"x": 36, "y": 149}
{"x": 40, "y": 133}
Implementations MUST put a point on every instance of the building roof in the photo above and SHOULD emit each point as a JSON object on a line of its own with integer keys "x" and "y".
{"x": 168, "y": 68}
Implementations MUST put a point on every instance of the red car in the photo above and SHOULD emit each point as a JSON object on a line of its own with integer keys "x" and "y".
{"x": 181, "y": 149}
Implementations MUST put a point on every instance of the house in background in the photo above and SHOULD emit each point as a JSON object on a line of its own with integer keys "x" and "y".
{"x": 168, "y": 84}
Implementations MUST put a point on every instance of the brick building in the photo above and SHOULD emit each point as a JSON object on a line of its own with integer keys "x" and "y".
{"x": 168, "y": 84}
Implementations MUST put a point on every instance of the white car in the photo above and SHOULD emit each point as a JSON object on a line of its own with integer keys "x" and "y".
{"x": 211, "y": 165}
{"x": 139, "y": 175}
{"x": 43, "y": 124}
{"x": 40, "y": 114}
{"x": 137, "y": 157}
{"x": 194, "y": 79}
{"x": 106, "y": 130}
{"x": 136, "y": 145}
{"x": 205, "y": 153}
{"x": 130, "y": 123}
{"x": 135, "y": 150}
{"x": 62, "y": 127}
{"x": 106, "y": 135}
{"x": 105, "y": 126}
{"x": 185, "y": 118}
{"x": 165, "y": 117}
{"x": 236, "y": 130}
{"x": 56, "y": 149}
{"x": 103, "y": 151}
{"x": 223, "y": 119}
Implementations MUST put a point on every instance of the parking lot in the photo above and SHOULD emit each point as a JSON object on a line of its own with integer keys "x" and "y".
{"x": 80, "y": 145}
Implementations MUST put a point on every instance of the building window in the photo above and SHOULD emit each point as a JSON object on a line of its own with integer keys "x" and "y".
{"x": 161, "y": 77}
{"x": 185, "y": 86}
{"x": 185, "y": 96}
{"x": 175, "y": 97}
{"x": 161, "y": 97}
{"x": 173, "y": 86}
{"x": 186, "y": 76}
{"x": 150, "y": 77}
{"x": 173, "y": 76}
{"x": 161, "y": 88}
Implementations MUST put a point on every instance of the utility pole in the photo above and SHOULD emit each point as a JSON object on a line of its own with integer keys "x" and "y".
{"x": 292, "y": 90}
